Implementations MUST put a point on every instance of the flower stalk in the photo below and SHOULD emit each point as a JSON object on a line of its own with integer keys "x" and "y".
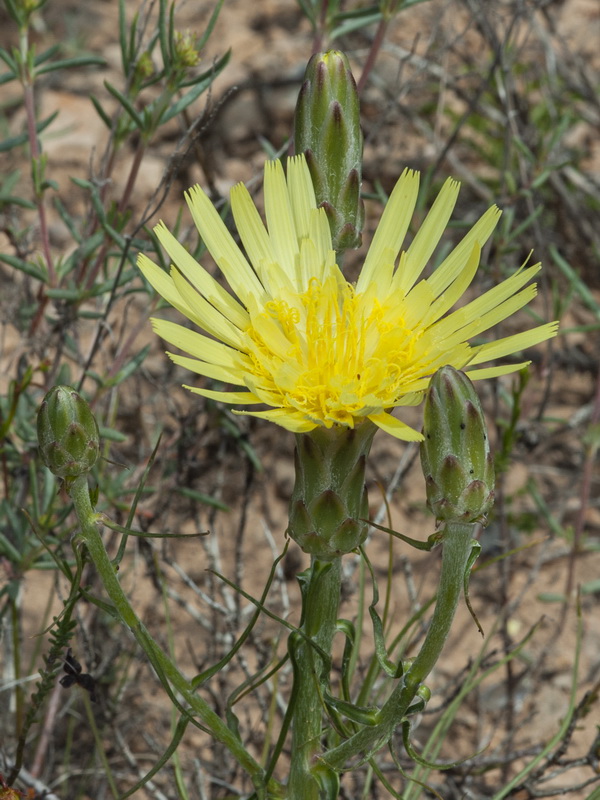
{"x": 321, "y": 585}
{"x": 457, "y": 551}
{"x": 327, "y": 511}
{"x": 89, "y": 535}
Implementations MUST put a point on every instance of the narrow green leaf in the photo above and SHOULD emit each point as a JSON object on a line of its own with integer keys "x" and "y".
{"x": 524, "y": 149}
{"x": 112, "y": 435}
{"x": 10, "y": 62}
{"x": 129, "y": 368}
{"x": 183, "y": 102}
{"x": 14, "y": 200}
{"x": 15, "y": 12}
{"x": 67, "y": 219}
{"x": 211, "y": 24}
{"x": 65, "y": 294}
{"x": 123, "y": 38}
{"x": 309, "y": 12}
{"x": 515, "y": 233}
{"x": 551, "y": 597}
{"x": 15, "y": 141}
{"x": 367, "y": 17}
{"x": 385, "y": 662}
{"x": 24, "y": 266}
{"x": 202, "y": 498}
{"x": 132, "y": 54}
{"x": 115, "y": 235}
{"x": 94, "y": 196}
{"x": 199, "y": 87}
{"x": 172, "y": 34}
{"x": 10, "y": 181}
{"x": 51, "y": 51}
{"x": 163, "y": 33}
{"x": 126, "y": 103}
{"x": 159, "y": 764}
{"x": 7, "y": 78}
{"x": 68, "y": 63}
{"x": 7, "y": 549}
{"x": 591, "y": 587}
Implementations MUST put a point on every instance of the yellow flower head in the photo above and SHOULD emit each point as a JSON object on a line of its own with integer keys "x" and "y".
{"x": 296, "y": 336}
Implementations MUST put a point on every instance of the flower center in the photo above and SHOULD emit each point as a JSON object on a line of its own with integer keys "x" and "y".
{"x": 331, "y": 353}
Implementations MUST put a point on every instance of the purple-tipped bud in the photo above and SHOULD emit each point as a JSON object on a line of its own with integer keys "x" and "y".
{"x": 327, "y": 131}
{"x": 455, "y": 453}
{"x": 67, "y": 433}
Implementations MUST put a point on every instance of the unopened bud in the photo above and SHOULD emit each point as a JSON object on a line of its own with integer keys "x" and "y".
{"x": 186, "y": 51}
{"x": 327, "y": 131}
{"x": 329, "y": 505}
{"x": 67, "y": 433}
{"x": 455, "y": 453}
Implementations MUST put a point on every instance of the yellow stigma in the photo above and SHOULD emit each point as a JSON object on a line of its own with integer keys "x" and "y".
{"x": 336, "y": 357}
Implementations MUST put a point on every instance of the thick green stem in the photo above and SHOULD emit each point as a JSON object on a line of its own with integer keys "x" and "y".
{"x": 457, "y": 549}
{"x": 321, "y": 597}
{"x": 89, "y": 521}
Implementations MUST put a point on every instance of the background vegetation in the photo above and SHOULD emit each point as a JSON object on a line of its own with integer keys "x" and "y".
{"x": 108, "y": 111}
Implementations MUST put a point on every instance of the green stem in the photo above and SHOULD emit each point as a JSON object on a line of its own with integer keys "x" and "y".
{"x": 89, "y": 521}
{"x": 320, "y": 604}
{"x": 457, "y": 548}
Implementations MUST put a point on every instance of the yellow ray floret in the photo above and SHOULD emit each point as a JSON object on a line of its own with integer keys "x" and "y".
{"x": 294, "y": 335}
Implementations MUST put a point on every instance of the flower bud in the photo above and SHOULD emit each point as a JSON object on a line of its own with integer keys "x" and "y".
{"x": 327, "y": 131}
{"x": 67, "y": 433}
{"x": 185, "y": 49}
{"x": 329, "y": 502}
{"x": 455, "y": 453}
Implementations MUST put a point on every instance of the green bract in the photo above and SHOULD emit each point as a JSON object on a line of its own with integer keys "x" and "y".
{"x": 455, "y": 454}
{"x": 67, "y": 433}
{"x": 329, "y": 502}
{"x": 327, "y": 131}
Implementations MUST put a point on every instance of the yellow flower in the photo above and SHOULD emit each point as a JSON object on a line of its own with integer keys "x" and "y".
{"x": 295, "y": 335}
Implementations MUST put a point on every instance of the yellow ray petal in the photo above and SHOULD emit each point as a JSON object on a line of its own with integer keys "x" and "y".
{"x": 493, "y": 317}
{"x": 290, "y": 420}
{"x": 196, "y": 344}
{"x": 280, "y": 220}
{"x": 235, "y": 398}
{"x": 230, "y": 259}
{"x": 319, "y": 234}
{"x": 395, "y": 427}
{"x": 270, "y": 332}
{"x": 514, "y": 344}
{"x": 429, "y": 234}
{"x": 495, "y": 372}
{"x": 301, "y": 193}
{"x": 392, "y": 227}
{"x": 214, "y": 371}
{"x": 200, "y": 278}
{"x": 455, "y": 291}
{"x": 162, "y": 283}
{"x": 211, "y": 320}
{"x": 252, "y": 231}
{"x": 453, "y": 264}
{"x": 491, "y": 307}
